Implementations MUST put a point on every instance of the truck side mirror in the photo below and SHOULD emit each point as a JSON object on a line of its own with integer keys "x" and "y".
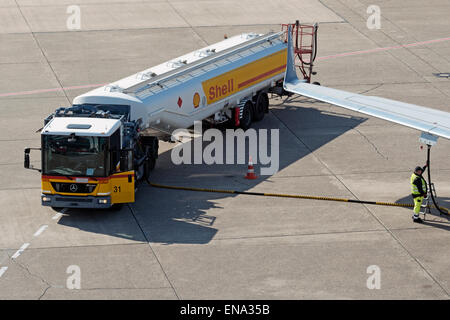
{"x": 123, "y": 161}
{"x": 26, "y": 159}
{"x": 126, "y": 160}
{"x": 26, "y": 162}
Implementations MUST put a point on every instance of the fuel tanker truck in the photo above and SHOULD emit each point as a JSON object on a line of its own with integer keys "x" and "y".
{"x": 93, "y": 152}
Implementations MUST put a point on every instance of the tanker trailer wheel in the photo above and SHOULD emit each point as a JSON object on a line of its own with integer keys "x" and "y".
{"x": 261, "y": 106}
{"x": 247, "y": 116}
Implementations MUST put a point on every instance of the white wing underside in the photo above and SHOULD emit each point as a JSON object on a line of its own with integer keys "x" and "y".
{"x": 428, "y": 120}
{"x": 421, "y": 118}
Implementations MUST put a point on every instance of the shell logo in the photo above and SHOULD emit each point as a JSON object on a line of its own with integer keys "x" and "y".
{"x": 196, "y": 100}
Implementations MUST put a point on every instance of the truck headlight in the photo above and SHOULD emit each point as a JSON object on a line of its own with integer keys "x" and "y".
{"x": 46, "y": 199}
{"x": 103, "y": 201}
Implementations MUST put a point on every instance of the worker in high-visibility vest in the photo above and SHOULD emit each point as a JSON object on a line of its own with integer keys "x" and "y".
{"x": 418, "y": 191}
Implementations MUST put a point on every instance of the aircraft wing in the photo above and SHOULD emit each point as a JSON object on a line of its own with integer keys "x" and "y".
{"x": 428, "y": 120}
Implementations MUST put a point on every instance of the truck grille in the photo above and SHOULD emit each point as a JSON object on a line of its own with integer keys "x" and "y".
{"x": 65, "y": 199}
{"x": 73, "y": 187}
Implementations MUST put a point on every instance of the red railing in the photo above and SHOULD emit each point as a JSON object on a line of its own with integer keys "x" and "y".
{"x": 305, "y": 46}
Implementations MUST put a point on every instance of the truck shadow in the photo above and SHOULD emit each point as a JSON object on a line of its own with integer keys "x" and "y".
{"x": 169, "y": 216}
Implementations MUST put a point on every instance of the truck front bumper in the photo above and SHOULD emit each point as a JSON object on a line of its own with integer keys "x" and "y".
{"x": 88, "y": 202}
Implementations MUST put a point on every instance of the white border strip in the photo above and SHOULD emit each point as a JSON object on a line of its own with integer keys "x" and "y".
{"x": 41, "y": 229}
{"x": 19, "y": 252}
{"x": 3, "y": 270}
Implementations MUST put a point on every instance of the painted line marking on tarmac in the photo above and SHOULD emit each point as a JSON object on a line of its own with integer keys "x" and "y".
{"x": 23, "y": 93}
{"x": 344, "y": 54}
{"x": 59, "y": 214}
{"x": 352, "y": 53}
{"x": 41, "y": 229}
{"x": 56, "y": 216}
{"x": 19, "y": 252}
{"x": 3, "y": 270}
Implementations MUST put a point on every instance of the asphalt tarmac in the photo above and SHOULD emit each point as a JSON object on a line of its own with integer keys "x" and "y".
{"x": 186, "y": 245}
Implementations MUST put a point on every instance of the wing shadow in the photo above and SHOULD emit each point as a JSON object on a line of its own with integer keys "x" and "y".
{"x": 167, "y": 216}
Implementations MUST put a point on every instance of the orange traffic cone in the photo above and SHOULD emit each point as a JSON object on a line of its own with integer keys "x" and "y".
{"x": 251, "y": 171}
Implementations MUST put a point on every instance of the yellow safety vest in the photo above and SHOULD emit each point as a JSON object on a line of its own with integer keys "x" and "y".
{"x": 414, "y": 189}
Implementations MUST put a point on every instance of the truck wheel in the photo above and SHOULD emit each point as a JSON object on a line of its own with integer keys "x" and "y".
{"x": 247, "y": 116}
{"x": 261, "y": 106}
{"x": 149, "y": 165}
{"x": 151, "y": 150}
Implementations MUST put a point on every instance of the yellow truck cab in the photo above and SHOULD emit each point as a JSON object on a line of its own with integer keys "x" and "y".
{"x": 89, "y": 155}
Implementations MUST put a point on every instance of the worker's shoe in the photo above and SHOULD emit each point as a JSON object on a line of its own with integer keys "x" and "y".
{"x": 417, "y": 220}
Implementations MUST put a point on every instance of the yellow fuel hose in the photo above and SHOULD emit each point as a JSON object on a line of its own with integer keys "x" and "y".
{"x": 295, "y": 196}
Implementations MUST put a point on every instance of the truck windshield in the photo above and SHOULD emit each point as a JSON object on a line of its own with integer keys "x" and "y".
{"x": 75, "y": 155}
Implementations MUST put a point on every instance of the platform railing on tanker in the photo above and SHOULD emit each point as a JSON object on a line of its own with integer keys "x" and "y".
{"x": 305, "y": 50}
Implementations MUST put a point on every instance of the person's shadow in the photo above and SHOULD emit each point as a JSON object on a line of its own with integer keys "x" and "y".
{"x": 168, "y": 216}
{"x": 434, "y": 218}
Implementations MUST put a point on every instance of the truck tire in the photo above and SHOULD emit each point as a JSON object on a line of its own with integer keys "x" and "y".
{"x": 151, "y": 149}
{"x": 247, "y": 116}
{"x": 261, "y": 106}
{"x": 149, "y": 165}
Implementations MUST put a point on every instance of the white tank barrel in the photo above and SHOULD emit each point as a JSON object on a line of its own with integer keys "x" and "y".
{"x": 197, "y": 85}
